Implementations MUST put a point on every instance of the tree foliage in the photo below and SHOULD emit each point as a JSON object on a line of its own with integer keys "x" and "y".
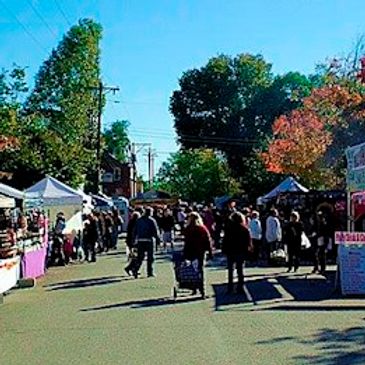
{"x": 230, "y": 105}
{"x": 117, "y": 140}
{"x": 311, "y": 141}
{"x": 197, "y": 175}
{"x": 55, "y": 126}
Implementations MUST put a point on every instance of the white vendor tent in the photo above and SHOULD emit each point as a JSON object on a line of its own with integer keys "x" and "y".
{"x": 6, "y": 202}
{"x": 11, "y": 192}
{"x": 289, "y": 185}
{"x": 57, "y": 197}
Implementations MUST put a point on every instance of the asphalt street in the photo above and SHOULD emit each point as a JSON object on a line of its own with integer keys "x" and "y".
{"x": 93, "y": 313}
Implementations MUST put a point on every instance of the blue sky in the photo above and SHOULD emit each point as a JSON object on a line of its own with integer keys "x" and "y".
{"x": 147, "y": 44}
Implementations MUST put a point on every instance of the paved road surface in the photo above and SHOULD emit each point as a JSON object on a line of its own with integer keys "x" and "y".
{"x": 95, "y": 314}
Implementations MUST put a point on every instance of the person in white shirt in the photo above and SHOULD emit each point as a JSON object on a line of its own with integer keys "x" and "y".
{"x": 273, "y": 233}
{"x": 256, "y": 234}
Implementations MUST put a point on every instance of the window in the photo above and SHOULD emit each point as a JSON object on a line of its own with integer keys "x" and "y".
{"x": 117, "y": 174}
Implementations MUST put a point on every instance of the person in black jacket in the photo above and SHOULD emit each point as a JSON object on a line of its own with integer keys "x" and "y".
{"x": 131, "y": 244}
{"x": 294, "y": 240}
{"x": 236, "y": 245}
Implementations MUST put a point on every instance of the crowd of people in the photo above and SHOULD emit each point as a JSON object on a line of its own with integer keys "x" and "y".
{"x": 240, "y": 234}
{"x": 100, "y": 234}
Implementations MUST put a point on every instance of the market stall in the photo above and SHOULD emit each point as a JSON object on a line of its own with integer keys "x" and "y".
{"x": 9, "y": 259}
{"x": 57, "y": 197}
{"x": 289, "y": 185}
{"x": 154, "y": 198}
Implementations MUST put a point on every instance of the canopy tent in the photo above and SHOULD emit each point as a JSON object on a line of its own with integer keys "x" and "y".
{"x": 154, "y": 198}
{"x": 289, "y": 185}
{"x": 56, "y": 197}
{"x": 54, "y": 192}
{"x": 102, "y": 202}
{"x": 6, "y": 202}
{"x": 11, "y": 192}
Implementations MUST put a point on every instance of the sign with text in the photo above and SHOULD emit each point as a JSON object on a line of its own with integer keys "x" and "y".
{"x": 356, "y": 168}
{"x": 350, "y": 238}
{"x": 351, "y": 256}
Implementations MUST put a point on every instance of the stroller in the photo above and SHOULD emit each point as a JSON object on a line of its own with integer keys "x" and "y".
{"x": 133, "y": 262}
{"x": 187, "y": 275}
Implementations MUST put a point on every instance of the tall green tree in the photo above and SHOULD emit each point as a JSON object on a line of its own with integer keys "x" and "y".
{"x": 117, "y": 140}
{"x": 230, "y": 105}
{"x": 65, "y": 103}
{"x": 197, "y": 175}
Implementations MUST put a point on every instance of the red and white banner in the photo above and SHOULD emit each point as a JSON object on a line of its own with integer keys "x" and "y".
{"x": 350, "y": 238}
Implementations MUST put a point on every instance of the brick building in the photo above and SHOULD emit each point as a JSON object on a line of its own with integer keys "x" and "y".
{"x": 116, "y": 177}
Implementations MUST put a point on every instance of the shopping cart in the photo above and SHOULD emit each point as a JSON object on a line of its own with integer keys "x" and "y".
{"x": 188, "y": 275}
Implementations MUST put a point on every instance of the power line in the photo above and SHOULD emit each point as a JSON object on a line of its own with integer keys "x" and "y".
{"x": 194, "y": 138}
{"x": 35, "y": 40}
{"x": 63, "y": 13}
{"x": 40, "y": 16}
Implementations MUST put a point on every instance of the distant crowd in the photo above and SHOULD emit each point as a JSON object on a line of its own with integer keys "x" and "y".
{"x": 240, "y": 234}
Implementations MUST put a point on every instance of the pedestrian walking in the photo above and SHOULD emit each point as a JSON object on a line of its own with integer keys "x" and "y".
{"x": 197, "y": 243}
{"x": 236, "y": 246}
{"x": 131, "y": 246}
{"x": 294, "y": 233}
{"x": 324, "y": 237}
{"x": 117, "y": 224}
{"x": 167, "y": 224}
{"x": 273, "y": 233}
{"x": 181, "y": 218}
{"x": 146, "y": 233}
{"x": 90, "y": 237}
{"x": 255, "y": 229}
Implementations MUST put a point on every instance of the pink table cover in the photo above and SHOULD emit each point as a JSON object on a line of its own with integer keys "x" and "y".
{"x": 34, "y": 263}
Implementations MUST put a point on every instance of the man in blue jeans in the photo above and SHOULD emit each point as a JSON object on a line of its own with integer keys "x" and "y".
{"x": 145, "y": 233}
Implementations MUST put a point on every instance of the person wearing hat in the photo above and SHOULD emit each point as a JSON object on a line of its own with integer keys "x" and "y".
{"x": 294, "y": 240}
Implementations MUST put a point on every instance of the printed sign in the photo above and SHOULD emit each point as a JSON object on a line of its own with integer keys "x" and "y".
{"x": 350, "y": 238}
{"x": 351, "y": 256}
{"x": 356, "y": 168}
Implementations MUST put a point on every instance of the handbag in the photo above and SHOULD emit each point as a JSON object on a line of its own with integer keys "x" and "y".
{"x": 305, "y": 243}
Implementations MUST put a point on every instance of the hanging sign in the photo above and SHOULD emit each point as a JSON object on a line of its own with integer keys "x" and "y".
{"x": 356, "y": 168}
{"x": 351, "y": 256}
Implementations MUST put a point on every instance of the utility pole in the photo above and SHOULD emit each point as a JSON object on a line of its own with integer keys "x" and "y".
{"x": 134, "y": 152}
{"x": 101, "y": 89}
{"x": 151, "y": 167}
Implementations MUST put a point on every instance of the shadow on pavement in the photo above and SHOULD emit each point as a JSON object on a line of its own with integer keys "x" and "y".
{"x": 330, "y": 346}
{"x": 271, "y": 289}
{"x": 255, "y": 291}
{"x": 148, "y": 303}
{"x": 75, "y": 284}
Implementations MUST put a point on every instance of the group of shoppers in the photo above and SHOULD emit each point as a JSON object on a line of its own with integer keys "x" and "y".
{"x": 100, "y": 234}
{"x": 244, "y": 237}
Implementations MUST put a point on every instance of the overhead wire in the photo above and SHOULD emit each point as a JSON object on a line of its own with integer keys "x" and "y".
{"x": 28, "y": 32}
{"x": 62, "y": 13}
{"x": 40, "y": 16}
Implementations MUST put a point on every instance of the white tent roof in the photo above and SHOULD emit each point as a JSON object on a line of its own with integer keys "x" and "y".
{"x": 11, "y": 192}
{"x": 6, "y": 202}
{"x": 289, "y": 185}
{"x": 54, "y": 192}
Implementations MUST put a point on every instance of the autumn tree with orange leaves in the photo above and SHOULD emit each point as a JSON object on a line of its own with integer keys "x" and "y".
{"x": 310, "y": 141}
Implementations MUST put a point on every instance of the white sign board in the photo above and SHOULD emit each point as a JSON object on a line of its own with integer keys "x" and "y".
{"x": 356, "y": 168}
{"x": 9, "y": 273}
{"x": 351, "y": 255}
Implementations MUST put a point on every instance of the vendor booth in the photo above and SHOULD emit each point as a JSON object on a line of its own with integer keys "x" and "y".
{"x": 9, "y": 260}
{"x": 351, "y": 245}
{"x": 57, "y": 197}
{"x": 154, "y": 198}
{"x": 289, "y": 185}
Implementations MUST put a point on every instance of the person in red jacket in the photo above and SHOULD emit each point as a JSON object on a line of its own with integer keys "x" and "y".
{"x": 236, "y": 246}
{"x": 197, "y": 243}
